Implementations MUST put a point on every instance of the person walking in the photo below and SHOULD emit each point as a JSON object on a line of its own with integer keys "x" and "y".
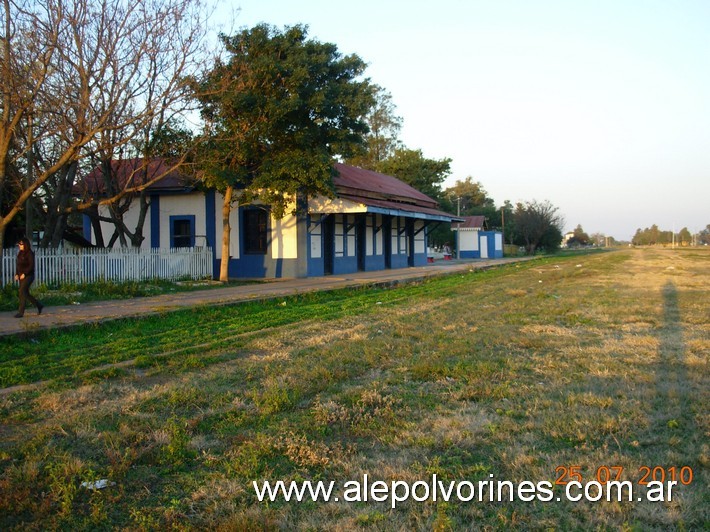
{"x": 25, "y": 274}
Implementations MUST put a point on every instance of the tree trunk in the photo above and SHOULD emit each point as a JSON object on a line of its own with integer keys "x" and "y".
{"x": 2, "y": 244}
{"x": 302, "y": 234}
{"x": 93, "y": 214}
{"x": 226, "y": 235}
{"x": 137, "y": 236}
{"x": 55, "y": 217}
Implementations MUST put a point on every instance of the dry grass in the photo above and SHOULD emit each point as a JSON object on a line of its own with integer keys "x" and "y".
{"x": 593, "y": 361}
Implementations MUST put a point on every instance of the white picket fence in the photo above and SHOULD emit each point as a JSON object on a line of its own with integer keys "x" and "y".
{"x": 62, "y": 266}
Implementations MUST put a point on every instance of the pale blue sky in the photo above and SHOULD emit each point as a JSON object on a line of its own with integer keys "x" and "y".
{"x": 601, "y": 107}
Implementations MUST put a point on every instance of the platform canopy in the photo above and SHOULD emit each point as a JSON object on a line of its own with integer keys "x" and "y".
{"x": 360, "y": 190}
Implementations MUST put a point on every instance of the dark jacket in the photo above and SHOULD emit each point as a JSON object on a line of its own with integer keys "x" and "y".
{"x": 25, "y": 263}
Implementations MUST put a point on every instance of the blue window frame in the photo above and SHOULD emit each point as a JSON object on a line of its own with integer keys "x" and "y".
{"x": 182, "y": 231}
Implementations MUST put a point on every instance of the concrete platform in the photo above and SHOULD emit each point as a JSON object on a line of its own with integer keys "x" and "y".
{"x": 101, "y": 311}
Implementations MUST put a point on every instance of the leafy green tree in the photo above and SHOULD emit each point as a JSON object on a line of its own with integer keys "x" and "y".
{"x": 277, "y": 113}
{"x": 172, "y": 140}
{"x": 537, "y": 225}
{"x": 579, "y": 238}
{"x": 551, "y": 238}
{"x": 655, "y": 235}
{"x": 684, "y": 237}
{"x": 640, "y": 238}
{"x": 383, "y": 138}
{"x": 410, "y": 166}
{"x": 467, "y": 198}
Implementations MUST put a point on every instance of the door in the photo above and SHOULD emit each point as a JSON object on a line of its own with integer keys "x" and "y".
{"x": 360, "y": 241}
{"x": 409, "y": 227}
{"x": 387, "y": 240}
{"x": 328, "y": 244}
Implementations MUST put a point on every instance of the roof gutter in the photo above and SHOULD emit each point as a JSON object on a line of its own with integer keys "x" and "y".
{"x": 412, "y": 214}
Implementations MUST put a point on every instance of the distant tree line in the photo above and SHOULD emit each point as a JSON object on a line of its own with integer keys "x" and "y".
{"x": 652, "y": 236}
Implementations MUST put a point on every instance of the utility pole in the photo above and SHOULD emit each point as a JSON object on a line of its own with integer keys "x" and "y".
{"x": 458, "y": 226}
{"x": 502, "y": 223}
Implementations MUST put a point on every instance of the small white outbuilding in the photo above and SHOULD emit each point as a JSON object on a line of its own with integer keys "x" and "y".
{"x": 474, "y": 242}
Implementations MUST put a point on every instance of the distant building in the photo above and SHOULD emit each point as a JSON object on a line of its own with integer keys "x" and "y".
{"x": 474, "y": 242}
{"x": 567, "y": 237}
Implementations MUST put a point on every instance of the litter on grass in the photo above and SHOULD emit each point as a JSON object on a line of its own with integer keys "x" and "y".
{"x": 98, "y": 484}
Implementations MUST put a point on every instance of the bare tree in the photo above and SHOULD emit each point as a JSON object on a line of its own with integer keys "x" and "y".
{"x": 96, "y": 77}
{"x": 24, "y": 70}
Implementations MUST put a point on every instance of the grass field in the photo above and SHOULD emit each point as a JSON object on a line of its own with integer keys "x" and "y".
{"x": 558, "y": 369}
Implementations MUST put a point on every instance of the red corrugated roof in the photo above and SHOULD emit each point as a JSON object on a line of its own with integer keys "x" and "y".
{"x": 134, "y": 173}
{"x": 366, "y": 183}
{"x": 472, "y": 222}
{"x": 374, "y": 189}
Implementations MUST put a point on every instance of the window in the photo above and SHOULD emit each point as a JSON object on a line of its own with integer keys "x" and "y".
{"x": 255, "y": 231}
{"x": 182, "y": 231}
